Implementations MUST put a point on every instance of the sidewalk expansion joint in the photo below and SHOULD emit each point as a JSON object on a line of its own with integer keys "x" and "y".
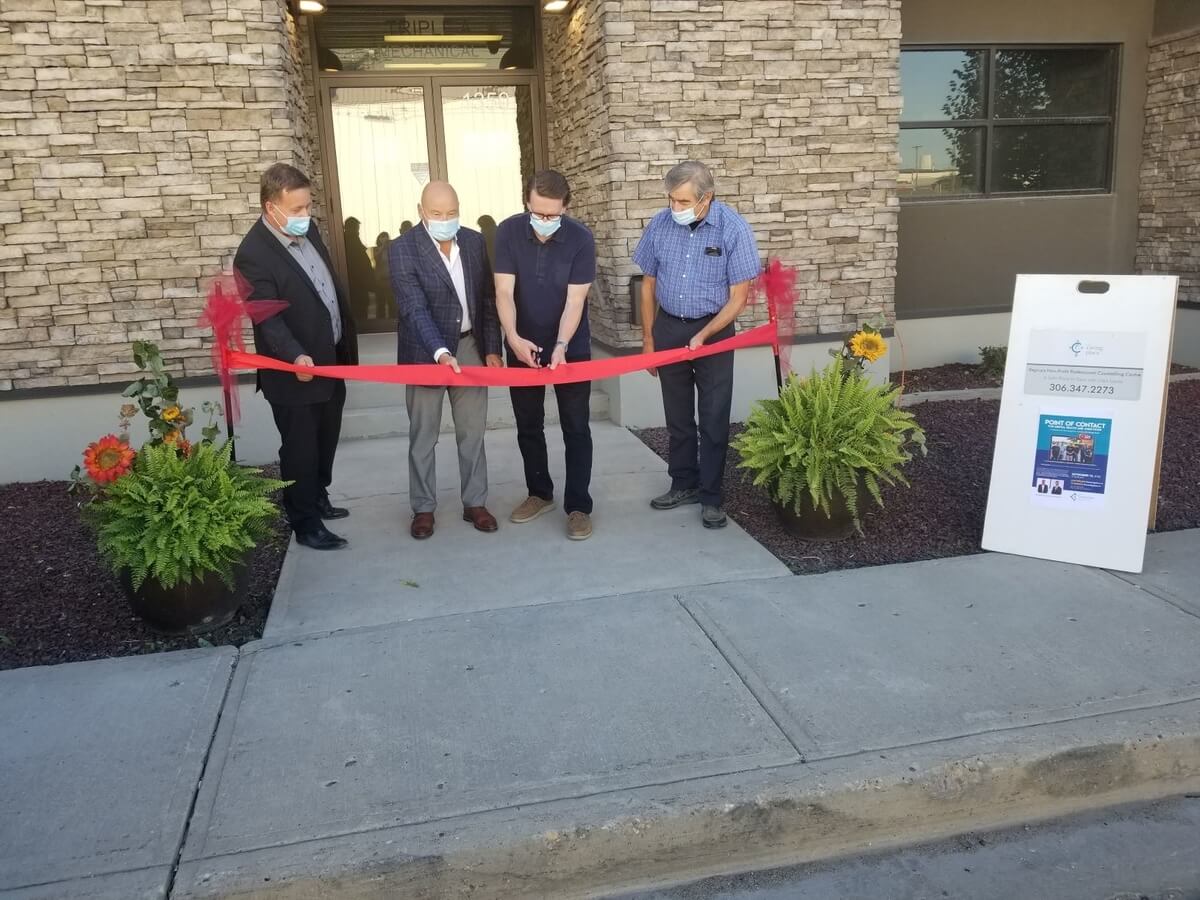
{"x": 1153, "y": 593}
{"x": 268, "y": 642}
{"x": 208, "y": 748}
{"x": 745, "y": 673}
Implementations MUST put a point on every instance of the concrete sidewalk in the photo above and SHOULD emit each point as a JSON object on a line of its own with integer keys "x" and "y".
{"x": 537, "y": 718}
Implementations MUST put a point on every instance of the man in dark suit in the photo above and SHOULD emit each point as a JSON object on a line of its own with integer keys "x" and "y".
{"x": 284, "y": 258}
{"x": 446, "y": 314}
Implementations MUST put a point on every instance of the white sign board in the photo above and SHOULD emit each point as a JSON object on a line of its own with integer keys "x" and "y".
{"x": 1075, "y": 469}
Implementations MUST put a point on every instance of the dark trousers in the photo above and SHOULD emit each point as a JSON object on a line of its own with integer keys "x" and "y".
{"x": 696, "y": 457}
{"x": 308, "y": 436}
{"x": 574, "y": 416}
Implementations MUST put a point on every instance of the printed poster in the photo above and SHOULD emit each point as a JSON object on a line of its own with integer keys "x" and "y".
{"x": 1070, "y": 468}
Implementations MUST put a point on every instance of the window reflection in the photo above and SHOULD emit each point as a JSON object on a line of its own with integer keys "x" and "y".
{"x": 942, "y": 84}
{"x": 489, "y": 151}
{"x": 940, "y": 161}
{"x": 382, "y": 165}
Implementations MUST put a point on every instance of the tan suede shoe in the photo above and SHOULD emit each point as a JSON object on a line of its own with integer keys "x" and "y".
{"x": 530, "y": 510}
{"x": 579, "y": 526}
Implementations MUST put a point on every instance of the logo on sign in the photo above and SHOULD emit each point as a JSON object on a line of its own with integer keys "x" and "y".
{"x": 1080, "y": 348}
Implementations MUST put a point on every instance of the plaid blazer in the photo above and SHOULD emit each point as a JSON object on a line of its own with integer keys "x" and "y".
{"x": 428, "y": 313}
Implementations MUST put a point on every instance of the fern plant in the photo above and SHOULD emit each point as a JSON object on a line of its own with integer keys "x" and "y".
{"x": 826, "y": 435}
{"x": 176, "y": 518}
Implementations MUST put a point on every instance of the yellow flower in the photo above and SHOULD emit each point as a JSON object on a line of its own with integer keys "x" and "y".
{"x": 868, "y": 346}
{"x": 171, "y": 413}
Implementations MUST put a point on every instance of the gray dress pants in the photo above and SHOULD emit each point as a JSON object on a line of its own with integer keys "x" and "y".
{"x": 468, "y": 406}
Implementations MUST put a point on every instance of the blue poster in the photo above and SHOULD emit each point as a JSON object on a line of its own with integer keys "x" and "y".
{"x": 1071, "y": 465}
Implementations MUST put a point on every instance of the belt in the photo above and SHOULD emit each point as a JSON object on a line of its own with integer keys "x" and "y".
{"x": 467, "y": 333}
{"x": 685, "y": 319}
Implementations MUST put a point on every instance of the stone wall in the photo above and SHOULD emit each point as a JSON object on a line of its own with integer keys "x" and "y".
{"x": 132, "y": 137}
{"x": 795, "y": 105}
{"x": 1169, "y": 215}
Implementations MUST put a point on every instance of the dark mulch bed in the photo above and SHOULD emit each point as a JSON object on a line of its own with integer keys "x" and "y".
{"x": 961, "y": 376}
{"x": 942, "y": 513}
{"x": 59, "y": 603}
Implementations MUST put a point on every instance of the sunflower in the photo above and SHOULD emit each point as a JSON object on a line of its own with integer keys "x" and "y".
{"x": 107, "y": 459}
{"x": 868, "y": 346}
{"x": 171, "y": 413}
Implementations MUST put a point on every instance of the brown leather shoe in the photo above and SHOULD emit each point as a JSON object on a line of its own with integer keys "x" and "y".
{"x": 422, "y": 526}
{"x": 480, "y": 518}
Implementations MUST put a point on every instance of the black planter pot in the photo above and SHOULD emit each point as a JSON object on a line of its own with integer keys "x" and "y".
{"x": 811, "y": 523}
{"x": 194, "y": 607}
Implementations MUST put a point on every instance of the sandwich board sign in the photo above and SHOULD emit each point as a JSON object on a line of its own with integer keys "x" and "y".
{"x": 1078, "y": 445}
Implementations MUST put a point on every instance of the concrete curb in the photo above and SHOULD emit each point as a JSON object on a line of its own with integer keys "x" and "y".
{"x": 992, "y": 393}
{"x": 595, "y": 845}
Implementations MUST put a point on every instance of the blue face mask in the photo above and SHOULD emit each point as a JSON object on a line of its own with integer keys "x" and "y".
{"x": 545, "y": 229}
{"x": 684, "y": 216}
{"x": 442, "y": 229}
{"x": 296, "y": 226}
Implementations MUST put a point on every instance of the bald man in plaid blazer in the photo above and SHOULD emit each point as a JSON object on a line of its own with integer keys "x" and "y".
{"x": 446, "y": 314}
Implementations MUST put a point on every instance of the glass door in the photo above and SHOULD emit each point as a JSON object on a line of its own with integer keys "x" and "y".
{"x": 409, "y": 93}
{"x": 382, "y": 144}
{"x": 388, "y": 140}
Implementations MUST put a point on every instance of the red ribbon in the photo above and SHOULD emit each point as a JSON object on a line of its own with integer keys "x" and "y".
{"x": 777, "y": 284}
{"x": 431, "y": 375}
{"x": 225, "y": 312}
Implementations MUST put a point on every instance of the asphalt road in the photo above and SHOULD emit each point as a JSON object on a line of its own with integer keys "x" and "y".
{"x": 1142, "y": 852}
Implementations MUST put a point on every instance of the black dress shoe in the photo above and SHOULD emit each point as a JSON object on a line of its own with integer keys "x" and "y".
{"x": 329, "y": 511}
{"x": 320, "y": 538}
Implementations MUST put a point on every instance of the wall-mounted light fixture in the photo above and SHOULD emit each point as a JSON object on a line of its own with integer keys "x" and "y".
{"x": 307, "y": 7}
{"x": 555, "y": 6}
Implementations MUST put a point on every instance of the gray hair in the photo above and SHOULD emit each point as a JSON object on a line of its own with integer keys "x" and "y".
{"x": 697, "y": 174}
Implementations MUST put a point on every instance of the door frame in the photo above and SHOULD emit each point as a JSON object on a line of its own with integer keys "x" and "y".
{"x": 431, "y": 81}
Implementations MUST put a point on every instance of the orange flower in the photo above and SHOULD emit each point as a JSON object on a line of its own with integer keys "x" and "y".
{"x": 107, "y": 459}
{"x": 171, "y": 437}
{"x": 184, "y": 447}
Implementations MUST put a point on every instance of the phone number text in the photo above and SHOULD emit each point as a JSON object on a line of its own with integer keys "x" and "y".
{"x": 1096, "y": 389}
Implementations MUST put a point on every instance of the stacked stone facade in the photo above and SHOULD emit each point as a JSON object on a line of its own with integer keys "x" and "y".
{"x": 132, "y": 137}
{"x": 1169, "y": 209}
{"x": 795, "y": 105}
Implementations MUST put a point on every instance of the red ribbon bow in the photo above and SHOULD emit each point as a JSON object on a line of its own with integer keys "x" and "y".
{"x": 226, "y": 312}
{"x": 777, "y": 284}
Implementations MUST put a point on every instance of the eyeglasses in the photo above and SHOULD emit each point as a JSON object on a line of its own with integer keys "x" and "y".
{"x": 544, "y": 218}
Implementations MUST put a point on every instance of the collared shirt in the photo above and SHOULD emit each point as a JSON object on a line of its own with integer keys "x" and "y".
{"x": 694, "y": 268}
{"x": 543, "y": 270}
{"x": 454, "y": 266}
{"x": 310, "y": 260}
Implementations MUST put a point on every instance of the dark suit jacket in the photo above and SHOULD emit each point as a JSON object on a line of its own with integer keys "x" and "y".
{"x": 304, "y": 328}
{"x": 429, "y": 315}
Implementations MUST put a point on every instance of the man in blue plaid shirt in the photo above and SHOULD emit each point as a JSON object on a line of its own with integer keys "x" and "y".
{"x": 698, "y": 257}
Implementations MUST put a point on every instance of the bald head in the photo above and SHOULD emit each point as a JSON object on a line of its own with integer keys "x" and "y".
{"x": 439, "y": 201}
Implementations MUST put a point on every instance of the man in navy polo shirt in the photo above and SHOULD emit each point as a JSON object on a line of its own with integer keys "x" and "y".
{"x": 698, "y": 257}
{"x": 545, "y": 264}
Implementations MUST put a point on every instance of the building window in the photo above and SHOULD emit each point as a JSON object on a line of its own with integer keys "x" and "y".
{"x": 999, "y": 121}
